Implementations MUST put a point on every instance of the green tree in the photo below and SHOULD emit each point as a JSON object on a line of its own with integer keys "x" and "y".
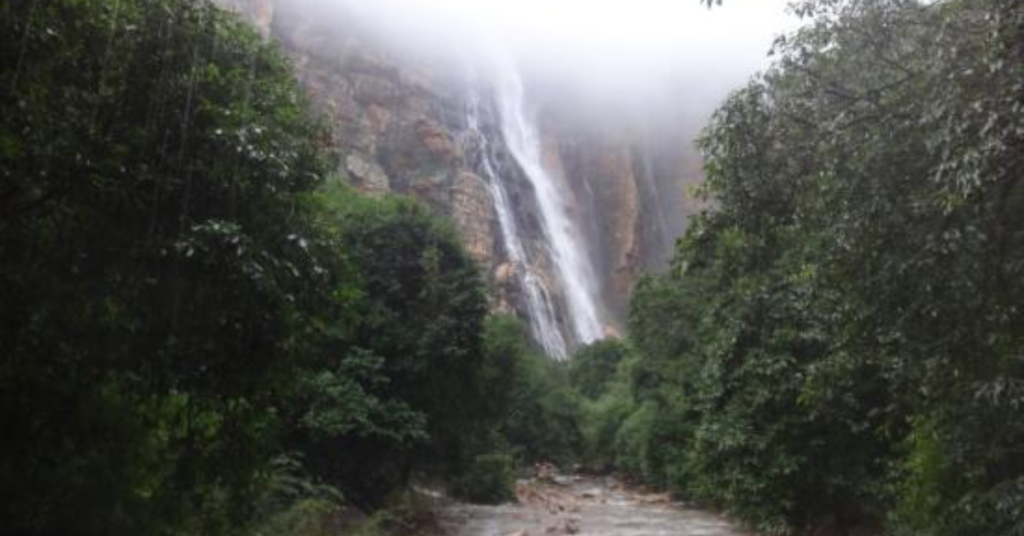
{"x": 593, "y": 366}
{"x": 151, "y": 264}
{"x": 393, "y": 382}
{"x": 532, "y": 406}
{"x": 845, "y": 318}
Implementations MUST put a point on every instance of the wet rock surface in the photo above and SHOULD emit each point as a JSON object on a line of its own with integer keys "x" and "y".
{"x": 587, "y": 506}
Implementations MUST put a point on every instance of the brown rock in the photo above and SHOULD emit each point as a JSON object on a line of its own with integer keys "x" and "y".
{"x": 505, "y": 274}
{"x": 565, "y": 526}
{"x": 611, "y": 332}
{"x": 656, "y": 498}
{"x": 377, "y": 119}
{"x": 436, "y": 140}
{"x": 368, "y": 176}
{"x": 473, "y": 212}
{"x": 374, "y": 90}
{"x": 546, "y": 471}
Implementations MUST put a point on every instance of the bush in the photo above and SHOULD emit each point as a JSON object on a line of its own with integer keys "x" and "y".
{"x": 593, "y": 366}
{"x": 490, "y": 479}
{"x": 527, "y": 397}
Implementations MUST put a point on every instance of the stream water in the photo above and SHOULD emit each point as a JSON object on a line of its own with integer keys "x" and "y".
{"x": 585, "y": 506}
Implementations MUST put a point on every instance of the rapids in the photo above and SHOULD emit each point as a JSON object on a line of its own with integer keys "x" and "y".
{"x": 586, "y": 506}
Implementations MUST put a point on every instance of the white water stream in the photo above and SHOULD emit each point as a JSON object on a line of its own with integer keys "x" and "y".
{"x": 564, "y": 248}
{"x": 565, "y": 241}
{"x": 538, "y": 300}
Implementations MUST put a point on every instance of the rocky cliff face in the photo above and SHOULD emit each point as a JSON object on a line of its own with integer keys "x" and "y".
{"x": 425, "y": 128}
{"x": 632, "y": 183}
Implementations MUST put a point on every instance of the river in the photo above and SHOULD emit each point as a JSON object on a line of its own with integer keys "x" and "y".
{"x": 586, "y": 506}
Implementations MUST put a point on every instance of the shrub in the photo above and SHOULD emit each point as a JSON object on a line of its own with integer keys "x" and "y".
{"x": 490, "y": 479}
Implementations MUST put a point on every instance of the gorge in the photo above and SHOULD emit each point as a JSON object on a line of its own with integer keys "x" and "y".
{"x": 419, "y": 268}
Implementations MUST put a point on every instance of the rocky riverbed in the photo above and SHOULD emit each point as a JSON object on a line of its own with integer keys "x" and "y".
{"x": 587, "y": 506}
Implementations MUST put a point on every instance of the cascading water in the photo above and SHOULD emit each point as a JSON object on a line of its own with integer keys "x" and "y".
{"x": 564, "y": 240}
{"x": 538, "y": 300}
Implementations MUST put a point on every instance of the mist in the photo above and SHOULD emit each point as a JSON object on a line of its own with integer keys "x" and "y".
{"x": 617, "y": 54}
{"x": 577, "y": 116}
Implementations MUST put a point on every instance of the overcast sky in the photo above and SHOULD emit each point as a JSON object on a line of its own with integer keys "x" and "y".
{"x": 642, "y": 41}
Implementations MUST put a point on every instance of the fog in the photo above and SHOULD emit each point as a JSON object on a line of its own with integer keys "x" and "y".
{"x": 623, "y": 51}
{"x": 597, "y": 101}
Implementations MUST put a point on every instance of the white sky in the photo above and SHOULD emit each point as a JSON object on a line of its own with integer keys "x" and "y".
{"x": 607, "y": 50}
{"x": 637, "y": 34}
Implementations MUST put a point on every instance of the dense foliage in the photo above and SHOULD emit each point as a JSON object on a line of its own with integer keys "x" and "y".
{"x": 150, "y": 266}
{"x": 838, "y": 342}
{"x": 201, "y": 331}
{"x": 394, "y": 352}
{"x": 537, "y": 411}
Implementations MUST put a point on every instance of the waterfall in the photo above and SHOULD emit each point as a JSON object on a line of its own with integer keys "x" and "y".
{"x": 565, "y": 242}
{"x": 563, "y": 246}
{"x": 540, "y": 310}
